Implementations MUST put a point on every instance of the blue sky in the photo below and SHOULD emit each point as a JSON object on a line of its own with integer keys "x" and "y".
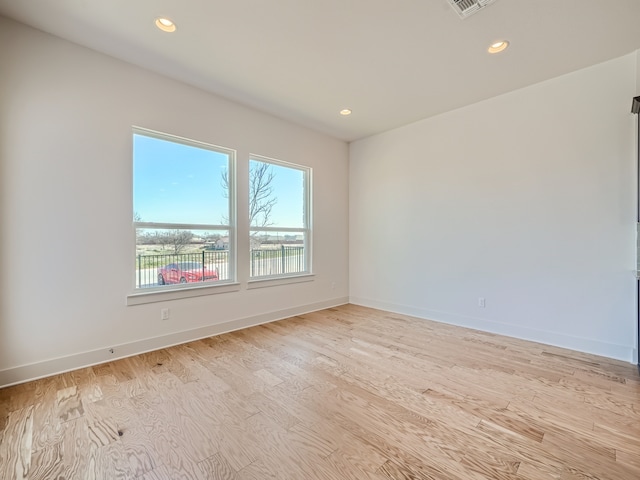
{"x": 177, "y": 183}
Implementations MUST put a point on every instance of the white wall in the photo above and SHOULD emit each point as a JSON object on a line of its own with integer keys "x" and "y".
{"x": 637, "y": 92}
{"x": 66, "y": 250}
{"x": 527, "y": 200}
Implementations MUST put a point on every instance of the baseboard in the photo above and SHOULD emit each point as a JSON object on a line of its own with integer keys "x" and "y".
{"x": 33, "y": 371}
{"x": 618, "y": 352}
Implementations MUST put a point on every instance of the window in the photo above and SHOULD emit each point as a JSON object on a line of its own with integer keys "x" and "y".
{"x": 279, "y": 218}
{"x": 182, "y": 212}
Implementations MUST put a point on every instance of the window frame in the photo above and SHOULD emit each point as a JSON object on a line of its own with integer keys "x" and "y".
{"x": 169, "y": 292}
{"x": 286, "y": 278}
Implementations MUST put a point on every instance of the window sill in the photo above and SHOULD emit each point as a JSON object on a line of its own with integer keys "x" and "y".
{"x": 140, "y": 298}
{"x": 277, "y": 281}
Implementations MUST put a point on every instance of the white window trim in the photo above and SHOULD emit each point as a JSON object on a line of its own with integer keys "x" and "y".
{"x": 174, "y": 292}
{"x": 179, "y": 292}
{"x": 277, "y": 280}
{"x": 306, "y": 229}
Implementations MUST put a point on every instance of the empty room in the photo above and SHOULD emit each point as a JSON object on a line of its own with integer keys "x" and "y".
{"x": 367, "y": 239}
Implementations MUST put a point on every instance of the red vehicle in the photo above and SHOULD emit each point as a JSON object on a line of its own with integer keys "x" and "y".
{"x": 185, "y": 272}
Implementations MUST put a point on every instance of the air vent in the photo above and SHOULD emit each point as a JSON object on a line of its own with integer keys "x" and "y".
{"x": 465, "y": 8}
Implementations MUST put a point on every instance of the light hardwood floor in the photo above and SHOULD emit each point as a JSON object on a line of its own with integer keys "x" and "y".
{"x": 345, "y": 393}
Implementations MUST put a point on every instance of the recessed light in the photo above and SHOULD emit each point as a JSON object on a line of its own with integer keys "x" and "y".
{"x": 344, "y": 112}
{"x": 165, "y": 24}
{"x": 498, "y": 47}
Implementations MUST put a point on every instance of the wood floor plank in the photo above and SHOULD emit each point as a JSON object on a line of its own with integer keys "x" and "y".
{"x": 47, "y": 463}
{"x": 345, "y": 470}
{"x": 217, "y": 468}
{"x": 397, "y": 469}
{"x": 139, "y": 452}
{"x": 16, "y": 445}
{"x": 286, "y": 452}
{"x": 401, "y": 445}
{"x": 350, "y": 467}
{"x": 274, "y": 411}
{"x": 344, "y": 393}
{"x": 237, "y": 448}
{"x": 629, "y": 460}
{"x": 258, "y": 470}
{"x": 352, "y": 449}
{"x": 48, "y": 430}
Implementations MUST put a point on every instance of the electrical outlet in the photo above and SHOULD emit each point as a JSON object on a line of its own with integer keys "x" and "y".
{"x": 481, "y": 302}
{"x": 164, "y": 314}
{"x": 333, "y": 285}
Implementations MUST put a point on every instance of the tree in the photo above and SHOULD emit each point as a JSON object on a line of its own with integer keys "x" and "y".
{"x": 261, "y": 195}
{"x": 160, "y": 238}
{"x": 179, "y": 239}
{"x": 261, "y": 198}
{"x": 140, "y": 237}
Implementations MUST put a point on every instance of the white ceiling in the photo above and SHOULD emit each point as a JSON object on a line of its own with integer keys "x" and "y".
{"x": 391, "y": 61}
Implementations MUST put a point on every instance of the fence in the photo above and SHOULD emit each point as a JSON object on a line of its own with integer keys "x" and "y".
{"x": 264, "y": 262}
{"x": 276, "y": 261}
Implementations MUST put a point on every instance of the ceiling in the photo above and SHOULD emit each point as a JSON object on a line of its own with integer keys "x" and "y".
{"x": 391, "y": 62}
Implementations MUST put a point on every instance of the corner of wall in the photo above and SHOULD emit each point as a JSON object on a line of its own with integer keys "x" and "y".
{"x": 528, "y": 333}
{"x": 638, "y": 72}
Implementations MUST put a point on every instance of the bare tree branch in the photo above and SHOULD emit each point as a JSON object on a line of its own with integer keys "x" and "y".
{"x": 162, "y": 238}
{"x": 179, "y": 239}
{"x": 261, "y": 195}
{"x": 224, "y": 183}
{"x": 261, "y": 198}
